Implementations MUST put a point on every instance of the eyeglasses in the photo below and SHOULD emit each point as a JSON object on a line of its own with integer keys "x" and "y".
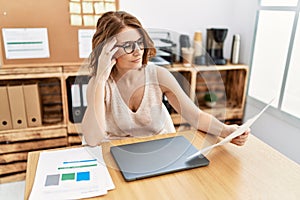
{"x": 130, "y": 46}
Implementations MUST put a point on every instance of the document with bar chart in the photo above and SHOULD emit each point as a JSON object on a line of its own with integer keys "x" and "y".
{"x": 71, "y": 174}
{"x": 21, "y": 43}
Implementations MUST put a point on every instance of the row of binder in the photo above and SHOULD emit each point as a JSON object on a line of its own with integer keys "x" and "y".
{"x": 20, "y": 107}
{"x": 76, "y": 92}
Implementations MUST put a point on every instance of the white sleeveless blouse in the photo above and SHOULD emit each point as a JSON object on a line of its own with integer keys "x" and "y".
{"x": 151, "y": 117}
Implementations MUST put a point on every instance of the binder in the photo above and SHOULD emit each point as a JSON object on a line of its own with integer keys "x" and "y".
{"x": 76, "y": 103}
{"x": 32, "y": 105}
{"x": 76, "y": 91}
{"x": 84, "y": 98}
{"x": 5, "y": 117}
{"x": 83, "y": 88}
{"x": 17, "y": 106}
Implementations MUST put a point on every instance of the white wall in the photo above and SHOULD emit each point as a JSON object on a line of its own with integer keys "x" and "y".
{"x": 183, "y": 17}
{"x": 188, "y": 16}
{"x": 239, "y": 16}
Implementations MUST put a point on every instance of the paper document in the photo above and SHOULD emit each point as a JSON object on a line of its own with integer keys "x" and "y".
{"x": 20, "y": 43}
{"x": 236, "y": 133}
{"x": 71, "y": 174}
{"x": 85, "y": 37}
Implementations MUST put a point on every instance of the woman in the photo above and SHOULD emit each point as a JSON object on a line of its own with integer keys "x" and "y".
{"x": 125, "y": 94}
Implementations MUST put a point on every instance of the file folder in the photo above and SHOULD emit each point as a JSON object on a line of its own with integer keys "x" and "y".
{"x": 5, "y": 117}
{"x": 76, "y": 103}
{"x": 84, "y": 98}
{"x": 83, "y": 88}
{"x": 32, "y": 105}
{"x": 76, "y": 91}
{"x": 17, "y": 106}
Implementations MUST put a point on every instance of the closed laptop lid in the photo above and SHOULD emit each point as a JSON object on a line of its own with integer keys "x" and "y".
{"x": 156, "y": 157}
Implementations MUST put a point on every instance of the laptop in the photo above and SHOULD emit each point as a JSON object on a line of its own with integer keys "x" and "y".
{"x": 156, "y": 157}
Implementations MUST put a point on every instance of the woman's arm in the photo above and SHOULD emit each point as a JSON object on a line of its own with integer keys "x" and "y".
{"x": 189, "y": 111}
{"x": 93, "y": 123}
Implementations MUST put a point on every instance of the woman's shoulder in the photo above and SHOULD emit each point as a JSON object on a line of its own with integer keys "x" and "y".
{"x": 161, "y": 74}
{"x": 158, "y": 69}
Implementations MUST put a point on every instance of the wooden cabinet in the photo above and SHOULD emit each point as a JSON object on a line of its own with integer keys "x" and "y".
{"x": 229, "y": 82}
{"x": 15, "y": 143}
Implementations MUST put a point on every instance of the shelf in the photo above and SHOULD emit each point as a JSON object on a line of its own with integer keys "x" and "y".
{"x": 75, "y": 70}
{"x": 162, "y": 53}
{"x": 39, "y": 65}
{"x": 28, "y": 73}
{"x": 74, "y": 133}
{"x": 180, "y": 67}
{"x": 229, "y": 82}
{"x": 57, "y": 129}
{"x": 225, "y": 114}
{"x": 15, "y": 177}
{"x": 20, "y": 137}
{"x": 15, "y": 145}
{"x": 29, "y": 129}
{"x": 74, "y": 127}
{"x": 222, "y": 114}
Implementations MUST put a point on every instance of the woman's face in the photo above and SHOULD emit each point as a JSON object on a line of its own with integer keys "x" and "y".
{"x": 131, "y": 49}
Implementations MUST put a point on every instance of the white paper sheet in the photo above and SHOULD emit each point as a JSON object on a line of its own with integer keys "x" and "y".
{"x": 85, "y": 42}
{"x": 71, "y": 174}
{"x": 236, "y": 133}
{"x": 22, "y": 43}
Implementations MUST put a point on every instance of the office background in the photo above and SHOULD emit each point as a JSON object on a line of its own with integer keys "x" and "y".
{"x": 189, "y": 16}
{"x": 240, "y": 17}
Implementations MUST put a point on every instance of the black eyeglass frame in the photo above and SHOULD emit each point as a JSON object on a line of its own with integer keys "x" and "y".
{"x": 133, "y": 45}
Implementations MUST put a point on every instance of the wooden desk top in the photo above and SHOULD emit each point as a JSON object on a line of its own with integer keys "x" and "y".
{"x": 254, "y": 171}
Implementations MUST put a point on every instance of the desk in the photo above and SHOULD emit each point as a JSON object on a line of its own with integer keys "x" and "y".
{"x": 253, "y": 171}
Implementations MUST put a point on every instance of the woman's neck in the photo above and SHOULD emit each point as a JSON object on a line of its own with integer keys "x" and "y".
{"x": 130, "y": 73}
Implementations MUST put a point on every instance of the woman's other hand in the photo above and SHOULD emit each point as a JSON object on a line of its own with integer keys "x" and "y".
{"x": 239, "y": 140}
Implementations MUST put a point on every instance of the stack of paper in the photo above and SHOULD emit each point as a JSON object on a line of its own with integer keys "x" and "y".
{"x": 71, "y": 174}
